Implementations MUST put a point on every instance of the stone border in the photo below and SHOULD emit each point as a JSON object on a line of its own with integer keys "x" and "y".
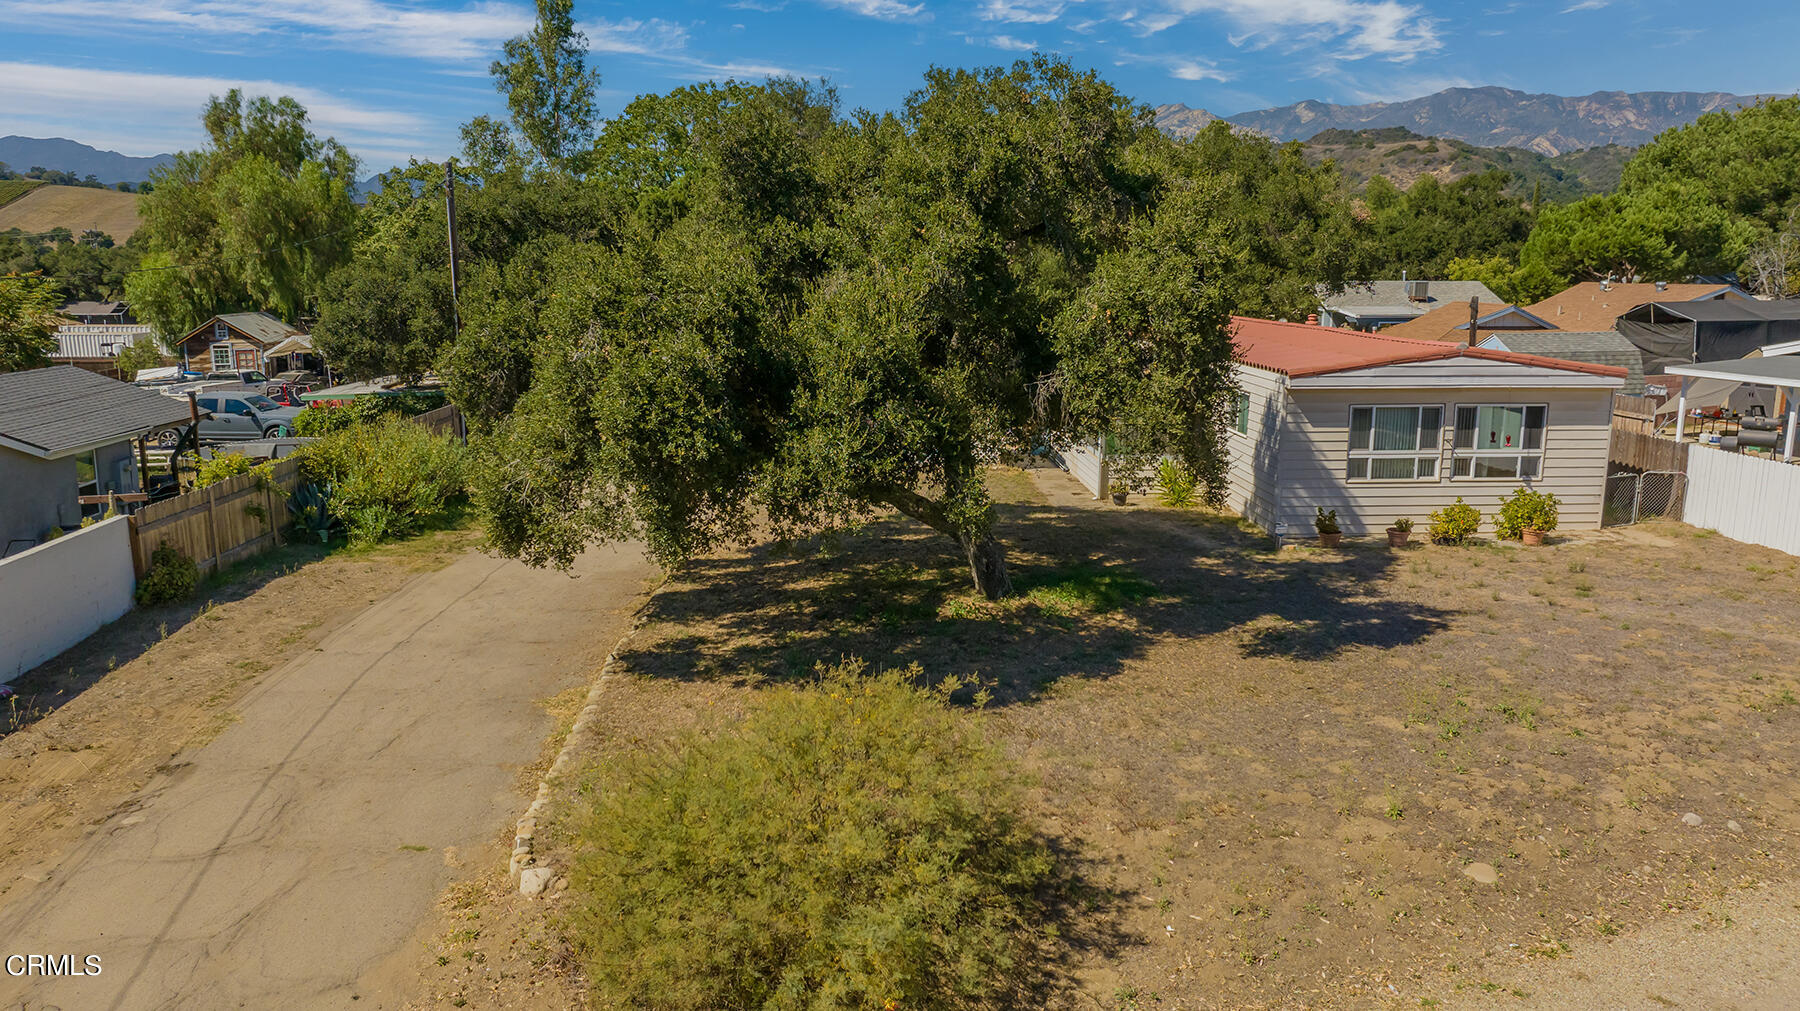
{"x": 533, "y": 877}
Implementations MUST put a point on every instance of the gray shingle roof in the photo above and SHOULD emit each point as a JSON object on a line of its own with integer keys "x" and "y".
{"x": 62, "y": 410}
{"x": 261, "y": 326}
{"x": 1383, "y": 294}
{"x": 1600, "y": 347}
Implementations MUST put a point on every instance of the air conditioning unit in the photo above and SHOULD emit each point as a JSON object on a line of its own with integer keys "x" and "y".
{"x": 1418, "y": 291}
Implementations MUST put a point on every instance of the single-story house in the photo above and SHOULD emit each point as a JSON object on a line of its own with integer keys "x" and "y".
{"x": 1371, "y": 305}
{"x": 1451, "y": 322}
{"x": 96, "y": 346}
{"x": 1597, "y": 305}
{"x": 1681, "y": 333}
{"x": 1379, "y": 428}
{"x": 64, "y": 433}
{"x": 237, "y": 340}
{"x": 1598, "y": 347}
{"x": 98, "y": 312}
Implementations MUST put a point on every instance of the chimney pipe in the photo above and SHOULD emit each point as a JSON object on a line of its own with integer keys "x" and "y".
{"x": 1474, "y": 314}
{"x": 1312, "y": 319}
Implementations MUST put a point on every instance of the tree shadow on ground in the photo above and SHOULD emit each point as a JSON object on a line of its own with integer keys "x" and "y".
{"x": 1096, "y": 590}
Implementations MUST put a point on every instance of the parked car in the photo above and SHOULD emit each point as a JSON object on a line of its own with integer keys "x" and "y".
{"x": 298, "y": 377}
{"x": 236, "y": 415}
{"x": 249, "y": 377}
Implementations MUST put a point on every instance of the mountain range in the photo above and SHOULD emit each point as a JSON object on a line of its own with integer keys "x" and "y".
{"x": 23, "y": 153}
{"x": 1491, "y": 117}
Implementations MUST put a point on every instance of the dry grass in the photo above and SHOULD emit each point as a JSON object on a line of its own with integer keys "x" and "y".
{"x": 1277, "y": 765}
{"x": 76, "y": 208}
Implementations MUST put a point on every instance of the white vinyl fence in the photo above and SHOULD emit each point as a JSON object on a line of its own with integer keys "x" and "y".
{"x": 1746, "y": 498}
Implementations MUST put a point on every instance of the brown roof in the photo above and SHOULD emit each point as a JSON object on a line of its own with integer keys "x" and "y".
{"x": 1587, "y": 307}
{"x": 1301, "y": 349}
{"x": 1440, "y": 324}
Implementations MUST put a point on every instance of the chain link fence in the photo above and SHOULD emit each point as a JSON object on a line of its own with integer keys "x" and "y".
{"x": 1650, "y": 495}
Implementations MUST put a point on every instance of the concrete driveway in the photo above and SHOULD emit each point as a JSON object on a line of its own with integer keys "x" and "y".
{"x": 279, "y": 864}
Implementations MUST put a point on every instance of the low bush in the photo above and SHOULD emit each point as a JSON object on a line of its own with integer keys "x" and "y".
{"x": 1178, "y": 485}
{"x": 1525, "y": 509}
{"x": 171, "y": 576}
{"x": 852, "y": 844}
{"x": 1455, "y": 523}
{"x": 1327, "y": 522}
{"x": 222, "y": 466}
{"x": 319, "y": 421}
{"x": 385, "y": 479}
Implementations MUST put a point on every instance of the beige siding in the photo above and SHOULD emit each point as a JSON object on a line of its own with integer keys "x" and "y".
{"x": 1315, "y": 453}
{"x": 1252, "y": 457}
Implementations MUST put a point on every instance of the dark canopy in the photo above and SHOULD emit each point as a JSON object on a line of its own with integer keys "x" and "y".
{"x": 1682, "y": 332}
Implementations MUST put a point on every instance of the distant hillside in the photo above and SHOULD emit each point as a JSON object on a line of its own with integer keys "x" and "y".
{"x": 1180, "y": 121}
{"x": 76, "y": 208}
{"x": 1403, "y": 157}
{"x": 1501, "y": 117}
{"x": 13, "y": 189}
{"x": 22, "y": 153}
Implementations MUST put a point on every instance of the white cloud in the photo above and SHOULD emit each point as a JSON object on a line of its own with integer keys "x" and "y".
{"x": 1193, "y": 70}
{"x": 1029, "y": 12}
{"x": 886, "y": 10}
{"x": 152, "y": 113}
{"x": 1011, "y": 44}
{"x": 1585, "y": 5}
{"x": 1352, "y": 29}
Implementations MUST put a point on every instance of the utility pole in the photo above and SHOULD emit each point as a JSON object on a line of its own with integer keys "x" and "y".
{"x": 450, "y": 218}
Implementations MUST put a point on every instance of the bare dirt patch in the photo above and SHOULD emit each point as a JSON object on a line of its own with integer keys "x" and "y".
{"x": 113, "y": 710}
{"x": 1279, "y": 768}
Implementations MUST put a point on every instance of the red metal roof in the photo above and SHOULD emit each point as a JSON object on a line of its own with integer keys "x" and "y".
{"x": 1301, "y": 349}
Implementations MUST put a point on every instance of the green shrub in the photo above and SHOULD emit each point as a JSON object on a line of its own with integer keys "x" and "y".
{"x": 1455, "y": 523}
{"x": 1178, "y": 485}
{"x": 1404, "y": 524}
{"x": 1327, "y": 522}
{"x": 852, "y": 844}
{"x": 386, "y": 479}
{"x": 1525, "y": 509}
{"x": 222, "y": 466}
{"x": 317, "y": 421}
{"x": 172, "y": 576}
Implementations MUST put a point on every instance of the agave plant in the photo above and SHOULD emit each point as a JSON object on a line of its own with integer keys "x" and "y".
{"x": 308, "y": 505}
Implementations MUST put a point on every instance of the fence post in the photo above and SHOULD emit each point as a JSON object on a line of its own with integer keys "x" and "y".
{"x": 1637, "y": 493}
{"x": 212, "y": 524}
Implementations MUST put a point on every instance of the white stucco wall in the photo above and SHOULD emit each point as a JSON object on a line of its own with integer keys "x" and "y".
{"x": 58, "y": 593}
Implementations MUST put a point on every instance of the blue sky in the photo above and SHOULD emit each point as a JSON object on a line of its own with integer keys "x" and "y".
{"x": 393, "y": 78}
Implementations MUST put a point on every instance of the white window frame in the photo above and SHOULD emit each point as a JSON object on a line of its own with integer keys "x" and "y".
{"x": 1519, "y": 452}
{"x": 1433, "y": 453}
{"x": 230, "y": 364}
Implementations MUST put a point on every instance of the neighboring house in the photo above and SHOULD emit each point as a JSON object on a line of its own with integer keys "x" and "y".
{"x": 238, "y": 340}
{"x": 1371, "y": 305}
{"x": 1599, "y": 347}
{"x": 98, "y": 312}
{"x": 65, "y": 432}
{"x": 95, "y": 346}
{"x": 1681, "y": 333}
{"x": 1451, "y": 322}
{"x": 1379, "y": 427}
{"x": 1597, "y": 305}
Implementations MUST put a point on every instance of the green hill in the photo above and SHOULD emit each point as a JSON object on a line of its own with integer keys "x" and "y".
{"x": 1403, "y": 156}
{"x": 13, "y": 189}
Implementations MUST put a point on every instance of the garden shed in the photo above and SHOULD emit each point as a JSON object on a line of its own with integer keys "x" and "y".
{"x": 1380, "y": 427}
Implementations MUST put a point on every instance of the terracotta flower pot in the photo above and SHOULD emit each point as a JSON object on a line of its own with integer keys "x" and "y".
{"x": 1330, "y": 540}
{"x": 1531, "y": 537}
{"x": 1397, "y": 538}
{"x": 1118, "y": 498}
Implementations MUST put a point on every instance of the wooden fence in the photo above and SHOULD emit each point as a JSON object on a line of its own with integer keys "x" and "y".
{"x": 1641, "y": 452}
{"x": 1634, "y": 414}
{"x": 220, "y": 524}
{"x": 445, "y": 420}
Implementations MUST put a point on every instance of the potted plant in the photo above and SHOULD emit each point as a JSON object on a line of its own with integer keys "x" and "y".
{"x": 1527, "y": 515}
{"x": 1119, "y": 488}
{"x": 1399, "y": 533}
{"x": 1455, "y": 523}
{"x": 1330, "y": 534}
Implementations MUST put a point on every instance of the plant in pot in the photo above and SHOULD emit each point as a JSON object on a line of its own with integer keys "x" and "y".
{"x": 1119, "y": 488}
{"x": 1330, "y": 534}
{"x": 1399, "y": 533}
{"x": 1455, "y": 523}
{"x": 1527, "y": 515}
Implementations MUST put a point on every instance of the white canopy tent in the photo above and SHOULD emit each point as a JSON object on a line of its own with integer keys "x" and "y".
{"x": 1779, "y": 371}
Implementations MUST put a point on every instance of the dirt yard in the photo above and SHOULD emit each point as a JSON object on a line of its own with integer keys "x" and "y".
{"x": 1287, "y": 778}
{"x": 107, "y": 714}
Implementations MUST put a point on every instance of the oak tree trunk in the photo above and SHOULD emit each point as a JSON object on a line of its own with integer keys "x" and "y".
{"x": 986, "y": 556}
